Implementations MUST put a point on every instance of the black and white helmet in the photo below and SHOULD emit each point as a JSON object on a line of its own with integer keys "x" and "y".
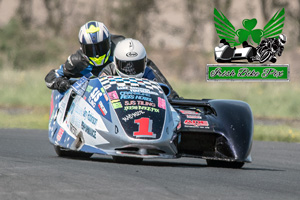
{"x": 282, "y": 39}
{"x": 130, "y": 58}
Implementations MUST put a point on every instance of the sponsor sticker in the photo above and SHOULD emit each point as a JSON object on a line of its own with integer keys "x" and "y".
{"x": 89, "y": 88}
{"x": 106, "y": 97}
{"x": 102, "y": 108}
{"x": 195, "y": 123}
{"x": 133, "y": 115}
{"x": 117, "y": 105}
{"x": 137, "y": 96}
{"x": 189, "y": 112}
{"x": 113, "y": 95}
{"x": 161, "y": 103}
{"x": 89, "y": 116}
{"x": 147, "y": 108}
{"x": 88, "y": 130}
{"x": 142, "y": 90}
{"x": 179, "y": 125}
{"x": 94, "y": 97}
{"x": 60, "y": 134}
{"x": 193, "y": 116}
{"x": 132, "y": 54}
{"x": 107, "y": 87}
{"x": 140, "y": 103}
{"x": 73, "y": 129}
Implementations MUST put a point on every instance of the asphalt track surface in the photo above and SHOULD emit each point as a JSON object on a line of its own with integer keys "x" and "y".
{"x": 30, "y": 169}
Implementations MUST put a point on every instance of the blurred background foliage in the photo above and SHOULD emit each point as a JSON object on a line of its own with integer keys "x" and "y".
{"x": 178, "y": 35}
{"x": 25, "y": 48}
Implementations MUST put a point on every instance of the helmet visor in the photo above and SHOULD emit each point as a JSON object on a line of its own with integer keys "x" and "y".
{"x": 96, "y": 50}
{"x": 131, "y": 67}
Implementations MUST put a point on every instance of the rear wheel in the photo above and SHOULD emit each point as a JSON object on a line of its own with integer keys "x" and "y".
{"x": 62, "y": 152}
{"x": 224, "y": 164}
{"x": 250, "y": 59}
{"x": 127, "y": 160}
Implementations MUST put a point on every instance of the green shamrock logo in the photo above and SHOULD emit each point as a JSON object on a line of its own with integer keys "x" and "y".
{"x": 243, "y": 34}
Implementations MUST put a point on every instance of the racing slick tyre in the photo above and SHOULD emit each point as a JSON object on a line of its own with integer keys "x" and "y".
{"x": 250, "y": 59}
{"x": 62, "y": 152}
{"x": 224, "y": 164}
{"x": 273, "y": 60}
{"x": 127, "y": 160}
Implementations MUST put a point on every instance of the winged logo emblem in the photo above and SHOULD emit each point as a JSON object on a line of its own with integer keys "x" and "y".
{"x": 227, "y": 31}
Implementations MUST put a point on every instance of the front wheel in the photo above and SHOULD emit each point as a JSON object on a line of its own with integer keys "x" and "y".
{"x": 62, "y": 152}
{"x": 224, "y": 164}
{"x": 127, "y": 160}
{"x": 265, "y": 56}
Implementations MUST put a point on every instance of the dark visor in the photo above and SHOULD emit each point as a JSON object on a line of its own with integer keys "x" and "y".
{"x": 96, "y": 50}
{"x": 131, "y": 67}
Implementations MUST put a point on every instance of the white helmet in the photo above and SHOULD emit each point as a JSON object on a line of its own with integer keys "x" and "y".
{"x": 94, "y": 38}
{"x": 130, "y": 58}
{"x": 282, "y": 39}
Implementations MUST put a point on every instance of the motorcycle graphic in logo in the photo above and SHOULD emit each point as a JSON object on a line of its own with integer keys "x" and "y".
{"x": 269, "y": 41}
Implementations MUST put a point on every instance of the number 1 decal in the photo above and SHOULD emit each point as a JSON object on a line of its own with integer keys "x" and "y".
{"x": 145, "y": 128}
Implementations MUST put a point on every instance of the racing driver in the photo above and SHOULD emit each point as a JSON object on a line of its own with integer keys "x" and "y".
{"x": 130, "y": 60}
{"x": 96, "y": 52}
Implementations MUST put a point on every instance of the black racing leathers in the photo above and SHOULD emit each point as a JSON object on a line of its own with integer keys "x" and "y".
{"x": 270, "y": 44}
{"x": 74, "y": 67}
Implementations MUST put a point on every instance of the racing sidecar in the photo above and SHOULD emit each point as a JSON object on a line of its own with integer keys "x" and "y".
{"x": 226, "y": 54}
{"x": 132, "y": 119}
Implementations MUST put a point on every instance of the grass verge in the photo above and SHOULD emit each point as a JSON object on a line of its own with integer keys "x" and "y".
{"x": 28, "y": 118}
{"x": 283, "y": 133}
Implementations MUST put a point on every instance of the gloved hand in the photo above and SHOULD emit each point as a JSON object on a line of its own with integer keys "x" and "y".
{"x": 63, "y": 84}
{"x": 75, "y": 64}
{"x": 280, "y": 50}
